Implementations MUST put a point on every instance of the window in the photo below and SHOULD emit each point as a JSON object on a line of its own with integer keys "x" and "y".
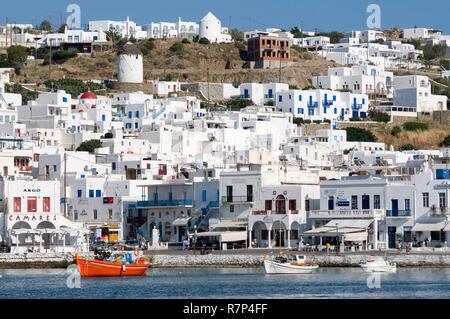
{"x": 249, "y": 193}
{"x": 204, "y": 195}
{"x": 376, "y": 202}
{"x": 229, "y": 194}
{"x": 407, "y": 204}
{"x": 17, "y": 205}
{"x": 425, "y": 199}
{"x": 98, "y": 193}
{"x": 95, "y": 214}
{"x": 46, "y": 204}
{"x": 32, "y": 204}
{"x": 442, "y": 200}
{"x": 91, "y": 193}
{"x": 354, "y": 202}
{"x": 292, "y": 205}
{"x": 110, "y": 212}
{"x": 268, "y": 205}
{"x": 75, "y": 214}
{"x": 231, "y": 208}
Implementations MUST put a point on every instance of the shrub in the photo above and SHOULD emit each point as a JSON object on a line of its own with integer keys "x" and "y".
{"x": 446, "y": 141}
{"x": 379, "y": 116}
{"x": 108, "y": 135}
{"x": 415, "y": 126}
{"x": 237, "y": 104}
{"x": 185, "y": 41}
{"x": 407, "y": 147}
{"x": 62, "y": 56}
{"x": 73, "y": 86}
{"x": 89, "y": 146}
{"x": 177, "y": 47}
{"x": 298, "y": 121}
{"x": 356, "y": 134}
{"x": 204, "y": 41}
{"x": 396, "y": 130}
{"x": 147, "y": 46}
{"x": 317, "y": 121}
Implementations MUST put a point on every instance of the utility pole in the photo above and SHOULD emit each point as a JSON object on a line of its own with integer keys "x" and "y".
{"x": 65, "y": 184}
{"x": 207, "y": 80}
{"x": 50, "y": 61}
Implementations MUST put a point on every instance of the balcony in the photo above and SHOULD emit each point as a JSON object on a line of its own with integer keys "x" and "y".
{"x": 350, "y": 213}
{"x": 269, "y": 212}
{"x": 399, "y": 213}
{"x": 313, "y": 105}
{"x": 327, "y": 103}
{"x": 439, "y": 211}
{"x": 165, "y": 203}
{"x": 237, "y": 199}
{"x": 357, "y": 106}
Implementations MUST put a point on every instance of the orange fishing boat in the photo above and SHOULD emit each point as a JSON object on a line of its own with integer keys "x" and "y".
{"x": 99, "y": 268}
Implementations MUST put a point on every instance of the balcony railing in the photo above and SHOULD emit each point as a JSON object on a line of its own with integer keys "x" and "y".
{"x": 165, "y": 203}
{"x": 270, "y": 212}
{"x": 356, "y": 106}
{"x": 350, "y": 213}
{"x": 237, "y": 199}
{"x": 312, "y": 105}
{"x": 327, "y": 103}
{"x": 440, "y": 211}
{"x": 398, "y": 213}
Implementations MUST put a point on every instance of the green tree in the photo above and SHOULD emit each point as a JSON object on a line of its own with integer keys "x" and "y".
{"x": 146, "y": 46}
{"x": 46, "y": 26}
{"x": 446, "y": 141}
{"x": 17, "y": 55}
{"x": 356, "y": 134}
{"x": 115, "y": 37}
{"x": 177, "y": 47}
{"x": 89, "y": 146}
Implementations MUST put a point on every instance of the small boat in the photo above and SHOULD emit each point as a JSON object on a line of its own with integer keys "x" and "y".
{"x": 379, "y": 264}
{"x": 295, "y": 264}
{"x": 112, "y": 268}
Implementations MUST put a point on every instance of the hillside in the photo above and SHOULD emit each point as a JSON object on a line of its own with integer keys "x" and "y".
{"x": 185, "y": 62}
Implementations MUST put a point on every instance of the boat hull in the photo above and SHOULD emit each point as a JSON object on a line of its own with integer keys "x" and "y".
{"x": 384, "y": 268}
{"x": 274, "y": 268}
{"x": 98, "y": 268}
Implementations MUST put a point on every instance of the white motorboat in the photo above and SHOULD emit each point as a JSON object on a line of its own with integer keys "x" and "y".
{"x": 379, "y": 264}
{"x": 296, "y": 264}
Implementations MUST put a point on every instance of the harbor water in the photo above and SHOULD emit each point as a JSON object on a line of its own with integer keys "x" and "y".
{"x": 347, "y": 283}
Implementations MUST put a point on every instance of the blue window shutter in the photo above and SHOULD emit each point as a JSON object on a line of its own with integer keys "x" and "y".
{"x": 91, "y": 193}
{"x": 98, "y": 193}
{"x": 80, "y": 193}
{"x": 114, "y": 166}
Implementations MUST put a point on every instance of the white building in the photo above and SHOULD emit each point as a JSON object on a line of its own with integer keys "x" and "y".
{"x": 179, "y": 29}
{"x": 362, "y": 79}
{"x": 33, "y": 220}
{"x": 421, "y": 33}
{"x": 259, "y": 93}
{"x": 321, "y": 105}
{"x": 368, "y": 35}
{"x": 415, "y": 91}
{"x": 126, "y": 29}
{"x": 211, "y": 28}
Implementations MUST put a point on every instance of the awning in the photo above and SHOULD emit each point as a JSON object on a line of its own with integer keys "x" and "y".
{"x": 429, "y": 226}
{"x": 341, "y": 227}
{"x": 226, "y": 237}
{"x": 181, "y": 221}
{"x": 361, "y": 236}
{"x": 232, "y": 236}
{"x": 229, "y": 224}
{"x": 349, "y": 223}
{"x": 447, "y": 228}
{"x": 25, "y": 231}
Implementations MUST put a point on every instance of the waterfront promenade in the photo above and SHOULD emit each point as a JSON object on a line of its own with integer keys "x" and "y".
{"x": 234, "y": 258}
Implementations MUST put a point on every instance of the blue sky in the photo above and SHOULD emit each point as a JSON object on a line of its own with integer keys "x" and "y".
{"x": 323, "y": 15}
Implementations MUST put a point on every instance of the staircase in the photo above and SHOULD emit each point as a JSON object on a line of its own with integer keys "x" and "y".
{"x": 210, "y": 211}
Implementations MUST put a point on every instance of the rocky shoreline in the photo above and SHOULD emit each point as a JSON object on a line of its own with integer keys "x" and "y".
{"x": 62, "y": 260}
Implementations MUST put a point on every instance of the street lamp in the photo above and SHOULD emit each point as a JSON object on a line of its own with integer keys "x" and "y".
{"x": 337, "y": 239}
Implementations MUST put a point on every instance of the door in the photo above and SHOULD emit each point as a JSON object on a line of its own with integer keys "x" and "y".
{"x": 391, "y": 236}
{"x": 394, "y": 207}
{"x": 365, "y": 202}
{"x": 331, "y": 203}
{"x": 279, "y": 238}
